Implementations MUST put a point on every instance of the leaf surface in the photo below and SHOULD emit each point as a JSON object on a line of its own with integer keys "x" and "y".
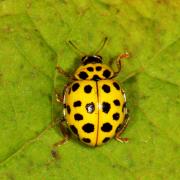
{"x": 33, "y": 36}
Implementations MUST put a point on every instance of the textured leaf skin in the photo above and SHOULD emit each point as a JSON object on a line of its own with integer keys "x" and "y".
{"x": 33, "y": 36}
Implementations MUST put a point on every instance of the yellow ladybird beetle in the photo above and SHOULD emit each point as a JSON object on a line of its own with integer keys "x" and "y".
{"x": 94, "y": 103}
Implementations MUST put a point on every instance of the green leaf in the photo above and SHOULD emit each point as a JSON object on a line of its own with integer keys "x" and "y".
{"x": 33, "y": 36}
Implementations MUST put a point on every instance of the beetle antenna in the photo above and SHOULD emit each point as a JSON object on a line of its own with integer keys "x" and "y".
{"x": 101, "y": 45}
{"x": 77, "y": 50}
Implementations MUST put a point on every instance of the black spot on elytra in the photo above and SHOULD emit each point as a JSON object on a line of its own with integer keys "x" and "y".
{"x": 86, "y": 140}
{"x": 83, "y": 75}
{"x": 87, "y": 89}
{"x": 78, "y": 117}
{"x": 98, "y": 68}
{"x": 106, "y": 73}
{"x": 91, "y": 69}
{"x": 88, "y": 128}
{"x": 68, "y": 109}
{"x": 74, "y": 129}
{"x": 116, "y": 116}
{"x": 106, "y": 127}
{"x": 106, "y": 107}
{"x": 96, "y": 78}
{"x": 116, "y": 102}
{"x": 106, "y": 139}
{"x": 75, "y": 86}
{"x": 90, "y": 107}
{"x": 116, "y": 85}
{"x": 106, "y": 88}
{"x": 77, "y": 103}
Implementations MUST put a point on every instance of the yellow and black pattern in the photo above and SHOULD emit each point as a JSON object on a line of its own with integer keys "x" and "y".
{"x": 94, "y": 110}
{"x": 111, "y": 102}
{"x": 81, "y": 110}
{"x": 94, "y": 72}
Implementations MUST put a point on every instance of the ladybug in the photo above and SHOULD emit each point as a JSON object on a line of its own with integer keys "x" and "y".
{"x": 94, "y": 103}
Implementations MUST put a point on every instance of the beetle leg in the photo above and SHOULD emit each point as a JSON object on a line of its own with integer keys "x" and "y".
{"x": 118, "y": 63}
{"x": 121, "y": 129}
{"x": 63, "y": 72}
{"x": 66, "y": 133}
{"x": 59, "y": 97}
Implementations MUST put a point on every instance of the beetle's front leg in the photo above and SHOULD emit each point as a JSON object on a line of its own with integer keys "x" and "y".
{"x": 118, "y": 62}
{"x": 63, "y": 72}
